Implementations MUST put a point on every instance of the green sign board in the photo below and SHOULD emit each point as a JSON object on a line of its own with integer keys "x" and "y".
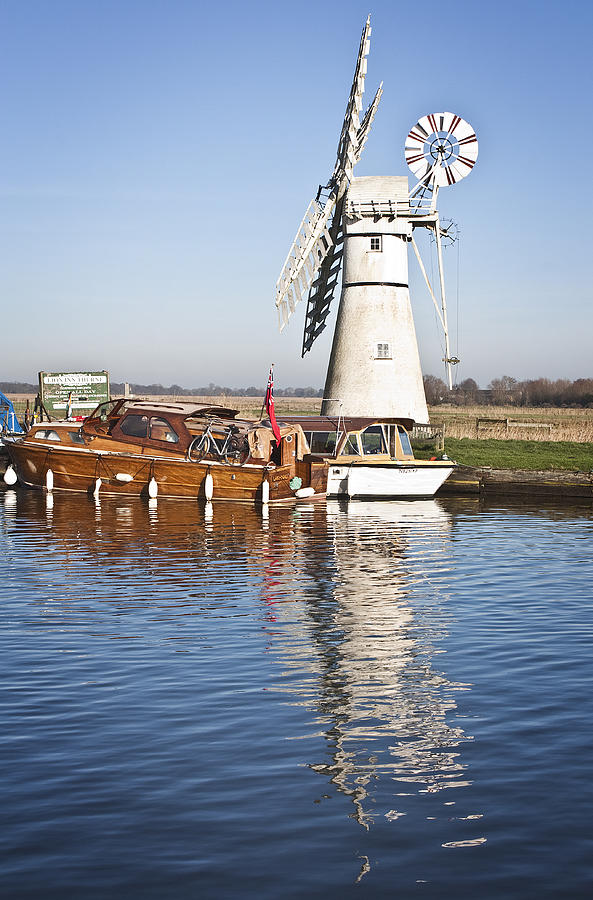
{"x": 72, "y": 394}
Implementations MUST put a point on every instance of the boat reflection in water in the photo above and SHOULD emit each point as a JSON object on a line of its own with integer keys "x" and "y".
{"x": 352, "y": 600}
{"x": 384, "y": 708}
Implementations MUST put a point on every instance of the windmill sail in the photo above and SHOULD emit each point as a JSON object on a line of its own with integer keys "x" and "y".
{"x": 308, "y": 250}
{"x": 323, "y": 288}
{"x": 347, "y": 144}
{"x": 313, "y": 263}
{"x": 365, "y": 125}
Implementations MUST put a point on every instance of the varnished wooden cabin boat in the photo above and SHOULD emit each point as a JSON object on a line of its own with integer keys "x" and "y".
{"x": 175, "y": 450}
{"x": 370, "y": 457}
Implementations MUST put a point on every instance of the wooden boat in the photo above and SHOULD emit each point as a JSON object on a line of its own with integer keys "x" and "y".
{"x": 370, "y": 457}
{"x": 175, "y": 450}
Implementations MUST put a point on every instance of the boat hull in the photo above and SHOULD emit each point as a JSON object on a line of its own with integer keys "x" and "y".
{"x": 131, "y": 474}
{"x": 389, "y": 480}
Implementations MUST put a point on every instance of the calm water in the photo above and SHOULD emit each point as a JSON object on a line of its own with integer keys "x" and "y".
{"x": 380, "y": 700}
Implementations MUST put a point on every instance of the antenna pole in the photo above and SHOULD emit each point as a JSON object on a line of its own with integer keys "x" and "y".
{"x": 428, "y": 284}
{"x": 447, "y": 360}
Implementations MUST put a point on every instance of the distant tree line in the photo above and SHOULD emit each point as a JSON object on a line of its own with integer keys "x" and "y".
{"x": 215, "y": 390}
{"x": 211, "y": 390}
{"x": 18, "y": 387}
{"x": 507, "y": 391}
{"x": 504, "y": 391}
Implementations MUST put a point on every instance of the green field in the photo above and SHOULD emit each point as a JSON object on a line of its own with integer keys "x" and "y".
{"x": 541, "y": 455}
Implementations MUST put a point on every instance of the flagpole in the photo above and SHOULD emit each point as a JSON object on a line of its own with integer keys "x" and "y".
{"x": 270, "y": 376}
{"x": 270, "y": 407}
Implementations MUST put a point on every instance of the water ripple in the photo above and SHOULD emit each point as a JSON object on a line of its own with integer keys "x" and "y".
{"x": 324, "y": 698}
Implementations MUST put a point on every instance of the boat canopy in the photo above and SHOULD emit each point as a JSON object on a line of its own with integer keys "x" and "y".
{"x": 345, "y": 423}
{"x": 261, "y": 435}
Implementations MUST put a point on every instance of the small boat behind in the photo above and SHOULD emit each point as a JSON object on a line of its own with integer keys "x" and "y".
{"x": 9, "y": 427}
{"x": 9, "y": 424}
{"x": 176, "y": 450}
{"x": 371, "y": 458}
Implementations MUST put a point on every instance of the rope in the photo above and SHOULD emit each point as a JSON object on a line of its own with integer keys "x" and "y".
{"x": 101, "y": 461}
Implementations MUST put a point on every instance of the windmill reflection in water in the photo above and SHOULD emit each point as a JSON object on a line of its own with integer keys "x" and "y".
{"x": 364, "y": 645}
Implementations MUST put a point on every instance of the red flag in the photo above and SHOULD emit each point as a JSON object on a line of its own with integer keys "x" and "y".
{"x": 269, "y": 401}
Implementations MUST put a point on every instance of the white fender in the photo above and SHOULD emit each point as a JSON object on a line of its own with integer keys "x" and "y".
{"x": 153, "y": 488}
{"x": 304, "y": 492}
{"x": 265, "y": 491}
{"x": 123, "y": 476}
{"x": 49, "y": 481}
{"x": 98, "y": 484}
{"x": 10, "y": 476}
{"x": 209, "y": 486}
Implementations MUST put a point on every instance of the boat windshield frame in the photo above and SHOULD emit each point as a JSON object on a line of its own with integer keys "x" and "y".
{"x": 108, "y": 409}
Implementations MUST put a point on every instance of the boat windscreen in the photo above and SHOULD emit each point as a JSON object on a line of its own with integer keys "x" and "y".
{"x": 373, "y": 440}
{"x": 351, "y": 448}
{"x": 405, "y": 441}
{"x": 104, "y": 410}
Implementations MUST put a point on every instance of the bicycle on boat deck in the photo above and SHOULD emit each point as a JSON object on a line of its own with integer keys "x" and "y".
{"x": 231, "y": 448}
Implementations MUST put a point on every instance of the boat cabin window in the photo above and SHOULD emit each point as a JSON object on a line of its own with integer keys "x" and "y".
{"x": 373, "y": 441}
{"x": 321, "y": 441}
{"x": 135, "y": 426}
{"x": 156, "y": 428}
{"x": 351, "y": 448}
{"x": 47, "y": 435}
{"x": 76, "y": 437}
{"x": 161, "y": 430}
{"x": 404, "y": 439}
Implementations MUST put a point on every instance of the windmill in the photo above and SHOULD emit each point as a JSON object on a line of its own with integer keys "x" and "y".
{"x": 363, "y": 226}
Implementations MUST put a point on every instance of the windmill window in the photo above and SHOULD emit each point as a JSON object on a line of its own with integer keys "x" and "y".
{"x": 376, "y": 243}
{"x": 383, "y": 351}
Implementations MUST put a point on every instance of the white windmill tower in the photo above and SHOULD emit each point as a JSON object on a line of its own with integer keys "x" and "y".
{"x": 374, "y": 367}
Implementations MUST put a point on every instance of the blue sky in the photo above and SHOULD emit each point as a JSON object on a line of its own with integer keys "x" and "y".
{"x": 157, "y": 158}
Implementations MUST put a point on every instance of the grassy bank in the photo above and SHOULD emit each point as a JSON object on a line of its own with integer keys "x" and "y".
{"x": 541, "y": 455}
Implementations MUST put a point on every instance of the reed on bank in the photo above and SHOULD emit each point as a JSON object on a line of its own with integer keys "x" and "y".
{"x": 510, "y": 423}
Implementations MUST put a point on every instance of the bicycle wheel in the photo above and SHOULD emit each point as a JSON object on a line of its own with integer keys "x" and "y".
{"x": 237, "y": 451}
{"x": 200, "y": 446}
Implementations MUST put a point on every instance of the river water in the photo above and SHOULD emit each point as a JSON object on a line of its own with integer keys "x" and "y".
{"x": 368, "y": 700}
